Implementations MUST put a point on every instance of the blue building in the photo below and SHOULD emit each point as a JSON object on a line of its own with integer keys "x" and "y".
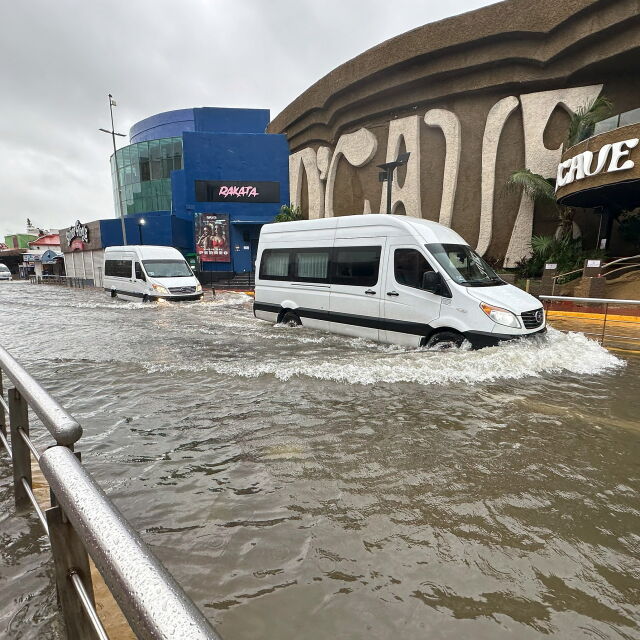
{"x": 211, "y": 173}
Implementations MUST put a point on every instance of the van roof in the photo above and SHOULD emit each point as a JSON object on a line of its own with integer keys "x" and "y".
{"x": 430, "y": 231}
{"x": 149, "y": 251}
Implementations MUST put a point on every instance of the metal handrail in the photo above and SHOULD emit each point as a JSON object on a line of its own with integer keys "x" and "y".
{"x": 593, "y": 300}
{"x": 58, "y": 422}
{"x": 151, "y": 600}
{"x": 82, "y": 519}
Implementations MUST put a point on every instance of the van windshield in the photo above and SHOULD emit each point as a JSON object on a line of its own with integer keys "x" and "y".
{"x": 4, "y": 267}
{"x": 167, "y": 268}
{"x": 464, "y": 265}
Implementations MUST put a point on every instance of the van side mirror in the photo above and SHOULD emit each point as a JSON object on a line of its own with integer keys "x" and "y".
{"x": 432, "y": 282}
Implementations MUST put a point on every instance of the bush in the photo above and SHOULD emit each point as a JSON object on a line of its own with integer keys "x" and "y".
{"x": 629, "y": 223}
{"x": 564, "y": 251}
{"x": 289, "y": 213}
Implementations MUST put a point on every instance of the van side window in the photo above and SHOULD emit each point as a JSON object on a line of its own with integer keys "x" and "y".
{"x": 117, "y": 268}
{"x": 357, "y": 266}
{"x": 139, "y": 272}
{"x": 409, "y": 266}
{"x": 312, "y": 265}
{"x": 274, "y": 264}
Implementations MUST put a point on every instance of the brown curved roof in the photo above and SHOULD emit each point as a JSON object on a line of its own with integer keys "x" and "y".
{"x": 507, "y": 44}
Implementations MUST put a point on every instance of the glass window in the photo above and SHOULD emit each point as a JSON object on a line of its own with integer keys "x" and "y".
{"x": 139, "y": 272}
{"x": 167, "y": 268}
{"x": 312, "y": 265}
{"x": 126, "y": 156}
{"x": 274, "y": 265}
{"x": 630, "y": 117}
{"x": 118, "y": 268}
{"x": 357, "y": 266}
{"x": 156, "y": 159}
{"x": 464, "y": 265}
{"x": 409, "y": 266}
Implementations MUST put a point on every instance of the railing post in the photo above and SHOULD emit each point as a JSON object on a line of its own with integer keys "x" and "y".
{"x": 70, "y": 555}
{"x": 19, "y": 419}
{"x": 604, "y": 323}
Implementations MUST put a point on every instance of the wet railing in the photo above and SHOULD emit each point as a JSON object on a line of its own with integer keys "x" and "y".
{"x": 65, "y": 281}
{"x": 82, "y": 520}
{"x": 613, "y": 323}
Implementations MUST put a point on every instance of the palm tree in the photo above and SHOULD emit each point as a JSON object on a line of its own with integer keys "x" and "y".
{"x": 540, "y": 189}
{"x": 289, "y": 213}
{"x": 583, "y": 121}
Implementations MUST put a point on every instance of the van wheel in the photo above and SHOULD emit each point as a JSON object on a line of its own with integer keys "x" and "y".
{"x": 291, "y": 319}
{"x": 113, "y": 293}
{"x": 445, "y": 340}
{"x": 145, "y": 298}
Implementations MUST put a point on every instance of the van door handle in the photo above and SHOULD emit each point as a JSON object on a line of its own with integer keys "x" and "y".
{"x": 393, "y": 293}
{"x": 370, "y": 292}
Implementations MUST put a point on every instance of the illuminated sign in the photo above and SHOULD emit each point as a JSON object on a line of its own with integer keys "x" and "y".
{"x": 582, "y": 166}
{"x": 235, "y": 191}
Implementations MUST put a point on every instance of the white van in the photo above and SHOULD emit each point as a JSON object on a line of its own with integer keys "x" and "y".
{"x": 389, "y": 278}
{"x": 5, "y": 272}
{"x": 149, "y": 272}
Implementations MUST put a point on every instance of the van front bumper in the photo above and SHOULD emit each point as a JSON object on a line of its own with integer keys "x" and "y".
{"x": 481, "y": 339}
{"x": 195, "y": 296}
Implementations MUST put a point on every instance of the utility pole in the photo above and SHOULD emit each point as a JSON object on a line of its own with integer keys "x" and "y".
{"x": 113, "y": 134}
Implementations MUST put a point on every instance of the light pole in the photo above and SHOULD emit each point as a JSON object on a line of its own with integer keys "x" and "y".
{"x": 113, "y": 134}
{"x": 141, "y": 223}
{"x": 386, "y": 175}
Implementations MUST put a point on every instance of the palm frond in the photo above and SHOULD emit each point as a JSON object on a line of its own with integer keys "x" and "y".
{"x": 533, "y": 184}
{"x": 583, "y": 121}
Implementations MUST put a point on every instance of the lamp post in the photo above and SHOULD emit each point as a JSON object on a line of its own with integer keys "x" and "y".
{"x": 386, "y": 175}
{"x": 113, "y": 134}
{"x": 141, "y": 223}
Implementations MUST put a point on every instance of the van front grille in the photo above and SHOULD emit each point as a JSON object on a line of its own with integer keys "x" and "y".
{"x": 182, "y": 289}
{"x": 533, "y": 319}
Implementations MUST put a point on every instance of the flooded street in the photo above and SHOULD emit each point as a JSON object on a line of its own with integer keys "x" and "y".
{"x": 305, "y": 485}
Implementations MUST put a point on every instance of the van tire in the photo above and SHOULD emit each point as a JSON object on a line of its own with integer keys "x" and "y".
{"x": 290, "y": 319}
{"x": 447, "y": 340}
{"x": 145, "y": 298}
{"x": 113, "y": 293}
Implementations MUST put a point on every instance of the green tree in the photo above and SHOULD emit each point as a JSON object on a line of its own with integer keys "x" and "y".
{"x": 289, "y": 213}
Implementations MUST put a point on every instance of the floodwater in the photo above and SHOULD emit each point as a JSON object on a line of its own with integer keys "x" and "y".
{"x": 304, "y": 485}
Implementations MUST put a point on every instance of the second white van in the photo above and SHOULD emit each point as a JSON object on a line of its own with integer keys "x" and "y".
{"x": 149, "y": 272}
{"x": 389, "y": 278}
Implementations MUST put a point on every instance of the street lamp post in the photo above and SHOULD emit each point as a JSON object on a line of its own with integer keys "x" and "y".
{"x": 141, "y": 223}
{"x": 386, "y": 175}
{"x": 113, "y": 134}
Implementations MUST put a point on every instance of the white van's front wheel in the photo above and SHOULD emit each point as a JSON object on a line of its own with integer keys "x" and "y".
{"x": 113, "y": 293}
{"x": 291, "y": 319}
{"x": 445, "y": 340}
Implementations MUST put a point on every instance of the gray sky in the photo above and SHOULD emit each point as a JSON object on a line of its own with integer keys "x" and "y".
{"x": 59, "y": 60}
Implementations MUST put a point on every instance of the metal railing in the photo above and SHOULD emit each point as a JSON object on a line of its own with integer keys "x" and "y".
{"x": 65, "y": 281}
{"x": 83, "y": 520}
{"x": 598, "y": 317}
{"x": 623, "y": 265}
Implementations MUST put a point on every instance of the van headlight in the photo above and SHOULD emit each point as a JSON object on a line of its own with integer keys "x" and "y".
{"x": 158, "y": 288}
{"x": 500, "y": 315}
{"x": 198, "y": 288}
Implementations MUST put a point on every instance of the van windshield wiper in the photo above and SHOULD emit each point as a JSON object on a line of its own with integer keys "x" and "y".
{"x": 492, "y": 282}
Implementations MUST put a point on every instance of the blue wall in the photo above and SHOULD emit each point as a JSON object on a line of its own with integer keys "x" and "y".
{"x": 228, "y": 156}
{"x": 205, "y": 119}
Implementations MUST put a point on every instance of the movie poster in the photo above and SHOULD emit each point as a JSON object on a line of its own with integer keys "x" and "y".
{"x": 212, "y": 237}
